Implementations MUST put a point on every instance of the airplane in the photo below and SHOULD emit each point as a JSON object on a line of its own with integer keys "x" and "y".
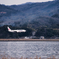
{"x": 16, "y": 30}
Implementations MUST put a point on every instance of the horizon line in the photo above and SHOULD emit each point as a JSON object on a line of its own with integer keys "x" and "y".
{"x": 24, "y": 3}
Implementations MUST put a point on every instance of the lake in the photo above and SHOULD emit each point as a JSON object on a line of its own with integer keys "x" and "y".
{"x": 30, "y": 48}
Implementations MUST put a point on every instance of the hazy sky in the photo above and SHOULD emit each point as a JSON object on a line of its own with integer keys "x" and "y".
{"x": 13, "y": 2}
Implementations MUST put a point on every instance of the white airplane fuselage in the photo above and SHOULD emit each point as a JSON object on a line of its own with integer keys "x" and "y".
{"x": 17, "y": 31}
{"x": 21, "y": 30}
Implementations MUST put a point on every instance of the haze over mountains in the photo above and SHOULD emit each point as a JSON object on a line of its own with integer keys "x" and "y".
{"x": 30, "y": 14}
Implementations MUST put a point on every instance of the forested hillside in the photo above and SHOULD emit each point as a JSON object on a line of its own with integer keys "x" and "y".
{"x": 29, "y": 12}
{"x": 33, "y": 16}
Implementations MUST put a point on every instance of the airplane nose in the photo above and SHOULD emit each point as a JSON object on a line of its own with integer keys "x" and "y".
{"x": 24, "y": 30}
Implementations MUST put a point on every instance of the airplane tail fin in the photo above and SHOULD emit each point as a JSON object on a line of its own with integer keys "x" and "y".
{"x": 8, "y": 29}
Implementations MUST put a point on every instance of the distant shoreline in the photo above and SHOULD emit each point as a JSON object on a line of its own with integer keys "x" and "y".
{"x": 29, "y": 39}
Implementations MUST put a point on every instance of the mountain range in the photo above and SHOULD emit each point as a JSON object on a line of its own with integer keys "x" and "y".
{"x": 30, "y": 14}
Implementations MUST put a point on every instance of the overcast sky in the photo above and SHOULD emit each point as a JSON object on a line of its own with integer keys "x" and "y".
{"x": 13, "y": 2}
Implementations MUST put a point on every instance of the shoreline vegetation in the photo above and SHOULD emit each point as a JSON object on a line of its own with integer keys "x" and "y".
{"x": 29, "y": 39}
{"x": 4, "y": 57}
{"x": 31, "y": 33}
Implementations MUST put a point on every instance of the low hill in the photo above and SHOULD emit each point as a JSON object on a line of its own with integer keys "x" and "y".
{"x": 30, "y": 14}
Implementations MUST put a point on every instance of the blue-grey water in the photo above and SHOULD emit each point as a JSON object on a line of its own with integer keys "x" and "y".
{"x": 29, "y": 48}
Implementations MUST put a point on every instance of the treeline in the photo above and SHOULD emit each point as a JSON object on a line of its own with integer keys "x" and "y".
{"x": 47, "y": 32}
{"x": 42, "y": 31}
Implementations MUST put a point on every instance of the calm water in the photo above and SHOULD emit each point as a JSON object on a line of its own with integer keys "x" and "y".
{"x": 29, "y": 48}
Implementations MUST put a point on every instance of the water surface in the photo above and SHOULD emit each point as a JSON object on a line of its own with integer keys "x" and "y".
{"x": 29, "y": 48}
